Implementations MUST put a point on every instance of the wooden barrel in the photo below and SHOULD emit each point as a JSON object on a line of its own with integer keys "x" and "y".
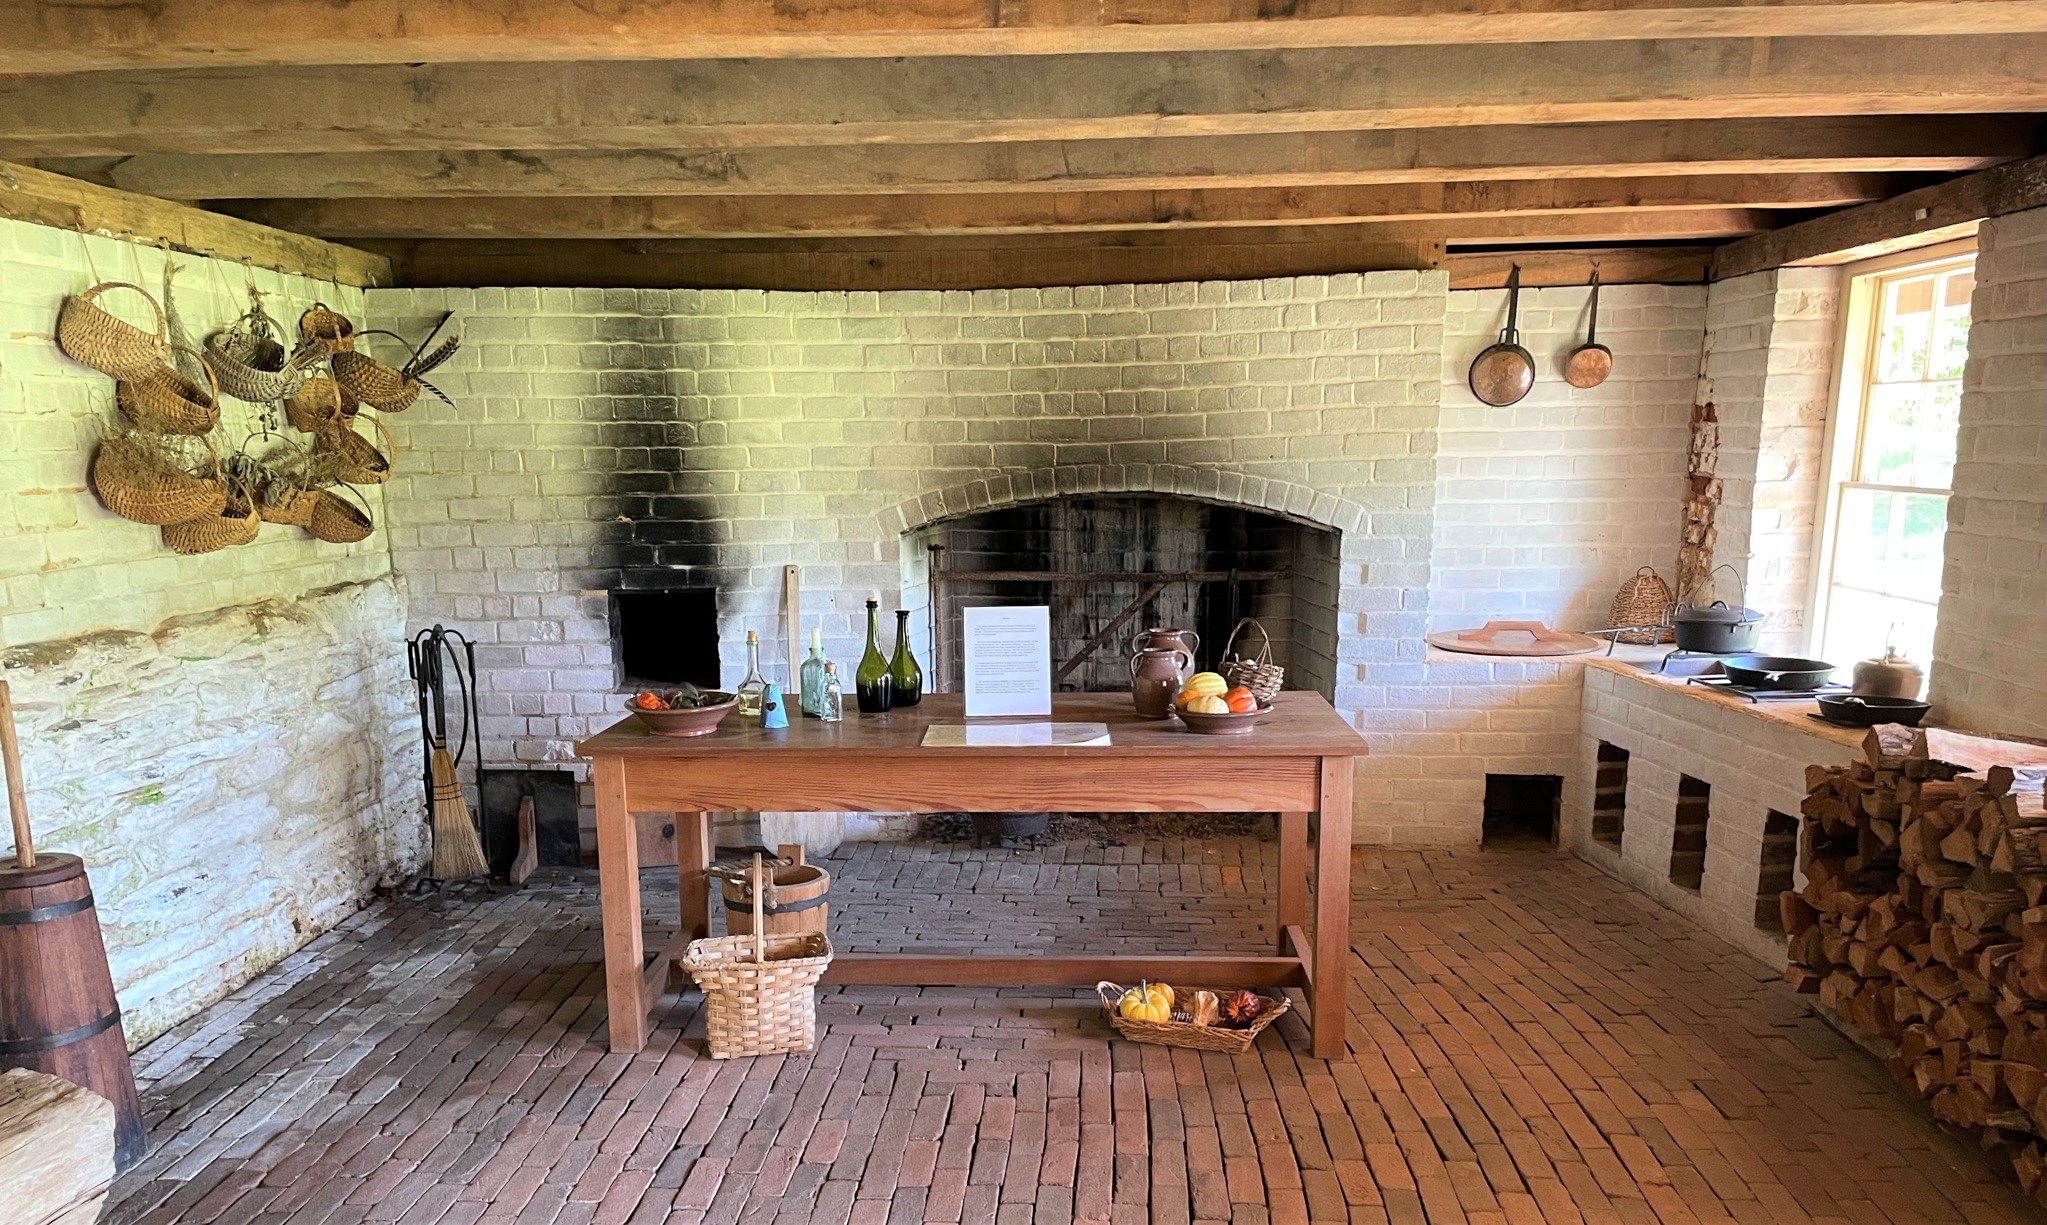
{"x": 800, "y": 902}
{"x": 57, "y": 1008}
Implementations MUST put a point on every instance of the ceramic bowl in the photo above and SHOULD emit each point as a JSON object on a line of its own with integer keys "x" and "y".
{"x": 1221, "y": 725}
{"x": 690, "y": 721}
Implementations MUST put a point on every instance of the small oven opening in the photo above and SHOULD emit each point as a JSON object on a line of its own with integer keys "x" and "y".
{"x": 666, "y": 637}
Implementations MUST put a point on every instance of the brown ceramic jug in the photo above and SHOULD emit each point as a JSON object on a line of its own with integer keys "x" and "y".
{"x": 1160, "y": 637}
{"x": 1155, "y": 676}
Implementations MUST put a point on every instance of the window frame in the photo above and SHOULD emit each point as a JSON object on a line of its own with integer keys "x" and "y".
{"x": 1847, "y": 424}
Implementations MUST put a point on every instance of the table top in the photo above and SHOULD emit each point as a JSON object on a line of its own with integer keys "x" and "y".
{"x": 1301, "y": 724}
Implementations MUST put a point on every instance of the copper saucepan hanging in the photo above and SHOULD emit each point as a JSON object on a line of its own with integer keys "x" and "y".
{"x": 1589, "y": 363}
{"x": 1504, "y": 372}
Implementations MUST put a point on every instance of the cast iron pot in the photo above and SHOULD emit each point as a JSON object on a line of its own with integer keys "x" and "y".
{"x": 1776, "y": 671}
{"x": 1716, "y": 627}
{"x": 1868, "y": 710}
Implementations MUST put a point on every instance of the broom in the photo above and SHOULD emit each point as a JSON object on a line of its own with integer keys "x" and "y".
{"x": 457, "y": 851}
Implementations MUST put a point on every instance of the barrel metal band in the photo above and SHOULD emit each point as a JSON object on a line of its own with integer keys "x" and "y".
{"x": 779, "y": 907}
{"x": 43, "y": 914}
{"x": 50, "y": 1042}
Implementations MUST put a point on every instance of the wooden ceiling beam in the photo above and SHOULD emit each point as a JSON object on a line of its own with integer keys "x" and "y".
{"x": 62, "y": 36}
{"x": 1930, "y": 144}
{"x": 28, "y": 194}
{"x": 1916, "y": 218}
{"x": 1669, "y": 265}
{"x": 729, "y": 104}
{"x": 769, "y": 216}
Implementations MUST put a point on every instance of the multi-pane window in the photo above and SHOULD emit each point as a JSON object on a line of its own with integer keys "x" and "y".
{"x": 1893, "y": 458}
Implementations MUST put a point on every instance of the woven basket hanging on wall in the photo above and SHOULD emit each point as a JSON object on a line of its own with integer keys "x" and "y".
{"x": 1643, "y": 600}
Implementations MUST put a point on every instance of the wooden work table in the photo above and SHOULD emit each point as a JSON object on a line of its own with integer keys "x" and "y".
{"x": 1298, "y": 763}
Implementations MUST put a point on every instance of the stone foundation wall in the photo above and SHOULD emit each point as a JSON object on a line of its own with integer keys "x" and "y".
{"x": 225, "y": 739}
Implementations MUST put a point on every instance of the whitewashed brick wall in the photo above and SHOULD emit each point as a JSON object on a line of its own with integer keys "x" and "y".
{"x": 1752, "y": 763}
{"x": 1990, "y": 650}
{"x": 227, "y": 739}
{"x": 819, "y": 428}
{"x": 1543, "y": 509}
{"x": 68, "y": 565}
{"x": 1769, "y": 368}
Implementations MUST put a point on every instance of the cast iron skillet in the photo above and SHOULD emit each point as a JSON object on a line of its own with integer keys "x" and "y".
{"x": 1868, "y": 710}
{"x": 1776, "y": 671}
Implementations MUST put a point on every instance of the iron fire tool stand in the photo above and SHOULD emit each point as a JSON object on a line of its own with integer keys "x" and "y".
{"x": 428, "y": 657}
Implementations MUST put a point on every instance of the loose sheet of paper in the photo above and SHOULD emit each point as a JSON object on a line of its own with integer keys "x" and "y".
{"x": 1007, "y": 653}
{"x": 1014, "y": 735}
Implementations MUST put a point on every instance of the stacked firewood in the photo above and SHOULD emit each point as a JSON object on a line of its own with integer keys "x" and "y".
{"x": 1923, "y": 923}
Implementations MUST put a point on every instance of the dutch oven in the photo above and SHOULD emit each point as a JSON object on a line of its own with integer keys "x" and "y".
{"x": 1716, "y": 628}
{"x": 1776, "y": 671}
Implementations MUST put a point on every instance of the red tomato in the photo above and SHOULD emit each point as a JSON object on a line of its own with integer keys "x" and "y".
{"x": 1240, "y": 700}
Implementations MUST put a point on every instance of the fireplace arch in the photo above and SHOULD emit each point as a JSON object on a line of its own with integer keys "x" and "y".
{"x": 1110, "y": 562}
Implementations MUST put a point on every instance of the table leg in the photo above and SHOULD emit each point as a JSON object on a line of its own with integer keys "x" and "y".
{"x": 618, "y": 883}
{"x": 692, "y": 856}
{"x": 1293, "y": 876}
{"x": 1332, "y": 911}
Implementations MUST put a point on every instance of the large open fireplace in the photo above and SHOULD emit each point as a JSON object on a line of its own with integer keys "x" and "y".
{"x": 1109, "y": 566}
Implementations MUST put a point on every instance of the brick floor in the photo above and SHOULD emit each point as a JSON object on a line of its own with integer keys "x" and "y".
{"x": 1534, "y": 1042}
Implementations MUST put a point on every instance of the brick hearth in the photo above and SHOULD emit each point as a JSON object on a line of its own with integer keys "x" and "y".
{"x": 1535, "y": 1042}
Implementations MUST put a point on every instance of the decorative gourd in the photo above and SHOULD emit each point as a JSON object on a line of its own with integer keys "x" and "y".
{"x": 1240, "y": 1008}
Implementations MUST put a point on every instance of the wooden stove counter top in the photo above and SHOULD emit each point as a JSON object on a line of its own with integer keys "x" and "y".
{"x": 1789, "y": 714}
{"x": 1301, "y": 725}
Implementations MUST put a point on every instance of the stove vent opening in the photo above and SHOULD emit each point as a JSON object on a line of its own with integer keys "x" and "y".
{"x": 1688, "y": 840}
{"x": 1610, "y": 795}
{"x": 1522, "y": 809}
{"x": 665, "y": 637}
{"x": 1780, "y": 858}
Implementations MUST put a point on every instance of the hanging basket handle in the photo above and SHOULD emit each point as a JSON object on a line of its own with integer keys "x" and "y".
{"x": 1265, "y": 640}
{"x": 162, "y": 325}
{"x": 760, "y": 950}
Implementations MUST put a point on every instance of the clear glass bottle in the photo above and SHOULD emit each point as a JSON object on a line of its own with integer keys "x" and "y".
{"x": 751, "y": 688}
{"x": 872, "y": 683}
{"x": 907, "y": 677}
{"x": 813, "y": 673}
{"x": 831, "y": 704}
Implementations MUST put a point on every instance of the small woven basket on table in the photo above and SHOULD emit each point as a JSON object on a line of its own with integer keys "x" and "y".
{"x": 1257, "y": 673}
{"x": 1643, "y": 600}
{"x": 1186, "y": 1033}
{"x": 760, "y": 990}
{"x": 90, "y": 336}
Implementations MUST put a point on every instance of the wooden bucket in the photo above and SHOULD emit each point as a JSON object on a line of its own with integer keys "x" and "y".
{"x": 61, "y": 1017}
{"x": 801, "y": 895}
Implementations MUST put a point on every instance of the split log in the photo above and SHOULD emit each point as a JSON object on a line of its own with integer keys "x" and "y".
{"x": 57, "y": 1146}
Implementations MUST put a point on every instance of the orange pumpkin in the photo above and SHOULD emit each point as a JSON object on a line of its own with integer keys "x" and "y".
{"x": 1240, "y": 700}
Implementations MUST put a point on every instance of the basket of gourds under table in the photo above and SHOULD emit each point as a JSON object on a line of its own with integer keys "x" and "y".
{"x": 760, "y": 989}
{"x": 1200, "y": 1020}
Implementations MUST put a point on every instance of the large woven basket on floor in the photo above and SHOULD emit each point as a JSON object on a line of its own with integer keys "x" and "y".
{"x": 1642, "y": 600}
{"x": 92, "y": 337}
{"x": 760, "y": 990}
{"x": 1257, "y": 673}
{"x": 168, "y": 402}
{"x": 1186, "y": 1033}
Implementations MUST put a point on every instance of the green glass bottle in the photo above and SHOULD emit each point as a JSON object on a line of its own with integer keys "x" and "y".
{"x": 874, "y": 687}
{"x": 903, "y": 669}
